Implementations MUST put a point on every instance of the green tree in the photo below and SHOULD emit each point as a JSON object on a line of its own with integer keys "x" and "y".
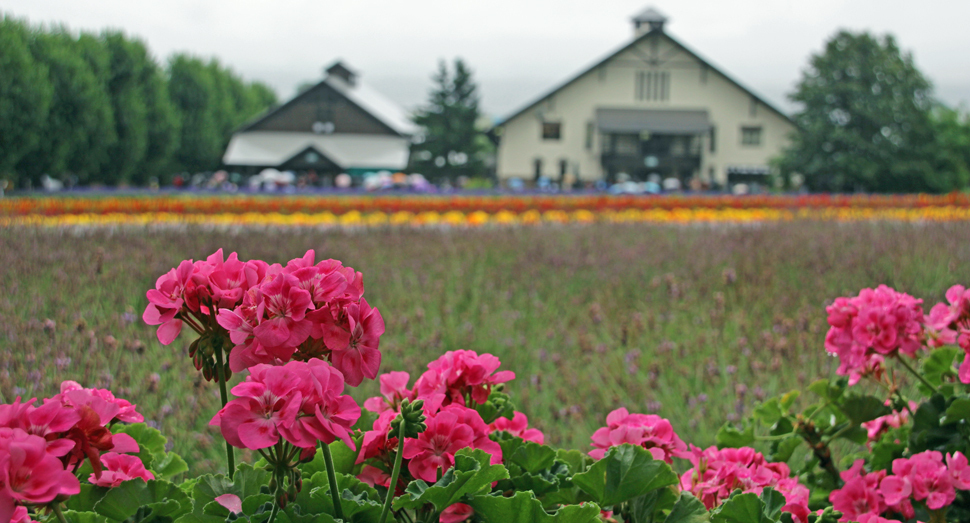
{"x": 193, "y": 92}
{"x": 129, "y": 64}
{"x": 163, "y": 131}
{"x": 80, "y": 113}
{"x": 25, "y": 95}
{"x": 864, "y": 120}
{"x": 453, "y": 144}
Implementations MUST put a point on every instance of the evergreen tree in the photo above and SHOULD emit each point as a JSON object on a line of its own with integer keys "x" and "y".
{"x": 25, "y": 96}
{"x": 452, "y": 145}
{"x": 865, "y": 120}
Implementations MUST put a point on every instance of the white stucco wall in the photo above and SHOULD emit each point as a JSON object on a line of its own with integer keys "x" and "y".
{"x": 612, "y": 85}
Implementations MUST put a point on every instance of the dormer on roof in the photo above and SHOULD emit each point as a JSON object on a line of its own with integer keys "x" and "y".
{"x": 339, "y": 70}
{"x": 648, "y": 20}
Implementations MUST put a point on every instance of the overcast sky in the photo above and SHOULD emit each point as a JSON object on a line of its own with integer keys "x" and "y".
{"x": 518, "y": 49}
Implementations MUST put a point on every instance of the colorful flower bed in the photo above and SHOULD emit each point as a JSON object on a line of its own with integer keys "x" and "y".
{"x": 470, "y": 211}
{"x": 452, "y": 447}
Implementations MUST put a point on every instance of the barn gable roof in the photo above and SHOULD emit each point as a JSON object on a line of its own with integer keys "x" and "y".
{"x": 655, "y": 33}
{"x": 359, "y": 94}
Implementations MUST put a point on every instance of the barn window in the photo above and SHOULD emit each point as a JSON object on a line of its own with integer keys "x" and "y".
{"x": 652, "y": 86}
{"x": 551, "y": 130}
{"x": 751, "y": 136}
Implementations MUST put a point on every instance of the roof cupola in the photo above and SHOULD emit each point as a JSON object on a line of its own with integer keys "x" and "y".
{"x": 648, "y": 20}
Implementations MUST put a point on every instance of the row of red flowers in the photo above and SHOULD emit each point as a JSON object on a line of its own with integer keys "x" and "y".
{"x": 339, "y": 204}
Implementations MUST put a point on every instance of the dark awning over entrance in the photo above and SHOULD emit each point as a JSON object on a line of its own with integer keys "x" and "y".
{"x": 625, "y": 121}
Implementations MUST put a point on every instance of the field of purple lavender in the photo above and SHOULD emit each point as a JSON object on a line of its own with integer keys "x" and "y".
{"x": 690, "y": 322}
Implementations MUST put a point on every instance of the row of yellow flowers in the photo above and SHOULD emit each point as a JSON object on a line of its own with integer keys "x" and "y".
{"x": 354, "y": 219}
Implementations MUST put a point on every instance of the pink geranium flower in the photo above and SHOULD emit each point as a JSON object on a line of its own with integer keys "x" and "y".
{"x": 394, "y": 390}
{"x": 451, "y": 429}
{"x": 353, "y": 334}
{"x": 716, "y": 473}
{"x": 462, "y": 373}
{"x": 166, "y": 300}
{"x": 284, "y": 305}
{"x": 518, "y": 426}
{"x": 29, "y": 474}
{"x": 456, "y": 513}
{"x": 646, "y": 430}
{"x": 119, "y": 468}
{"x": 876, "y": 324}
{"x": 300, "y": 401}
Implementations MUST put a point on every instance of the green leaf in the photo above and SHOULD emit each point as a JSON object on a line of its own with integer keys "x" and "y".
{"x": 741, "y": 508}
{"x": 928, "y": 434}
{"x": 253, "y": 503}
{"x": 789, "y": 399}
{"x": 533, "y": 457}
{"x": 937, "y": 366}
{"x": 344, "y": 459}
{"x": 651, "y": 506}
{"x": 769, "y": 412}
{"x": 828, "y": 389}
{"x": 543, "y": 482}
{"x": 624, "y": 473}
{"x": 471, "y": 474}
{"x": 688, "y": 509}
{"x": 773, "y": 501}
{"x": 523, "y": 507}
{"x": 247, "y": 482}
{"x": 168, "y": 466}
{"x": 359, "y": 501}
{"x": 857, "y": 434}
{"x": 151, "y": 451}
{"x": 150, "y": 441}
{"x": 730, "y": 436}
{"x": 957, "y": 411}
{"x": 162, "y": 497}
{"x": 73, "y": 516}
{"x": 576, "y": 460}
{"x": 498, "y": 405}
{"x": 85, "y": 500}
{"x": 782, "y": 450}
{"x": 860, "y": 409}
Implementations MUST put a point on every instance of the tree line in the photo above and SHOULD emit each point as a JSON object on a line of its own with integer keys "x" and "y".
{"x": 99, "y": 109}
{"x": 868, "y": 121}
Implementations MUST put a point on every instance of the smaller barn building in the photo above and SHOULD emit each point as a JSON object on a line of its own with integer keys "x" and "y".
{"x": 339, "y": 125}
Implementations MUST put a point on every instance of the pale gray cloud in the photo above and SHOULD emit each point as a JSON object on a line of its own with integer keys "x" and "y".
{"x": 517, "y": 48}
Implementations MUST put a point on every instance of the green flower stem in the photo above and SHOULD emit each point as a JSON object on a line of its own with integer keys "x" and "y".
{"x": 276, "y": 506}
{"x": 392, "y": 486}
{"x": 57, "y": 511}
{"x": 918, "y": 375}
{"x": 220, "y": 372}
{"x": 328, "y": 459}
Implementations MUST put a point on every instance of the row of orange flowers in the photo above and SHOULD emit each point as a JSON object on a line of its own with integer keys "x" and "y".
{"x": 356, "y": 219}
{"x": 492, "y": 204}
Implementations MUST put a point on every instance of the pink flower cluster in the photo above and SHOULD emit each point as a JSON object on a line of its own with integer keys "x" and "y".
{"x": 867, "y": 328}
{"x": 450, "y": 381}
{"x": 879, "y": 426}
{"x": 950, "y": 322}
{"x": 718, "y": 472}
{"x": 646, "y": 430}
{"x": 42, "y": 446}
{"x": 194, "y": 288}
{"x": 301, "y": 402}
{"x": 307, "y": 310}
{"x": 923, "y": 477}
{"x": 272, "y": 313}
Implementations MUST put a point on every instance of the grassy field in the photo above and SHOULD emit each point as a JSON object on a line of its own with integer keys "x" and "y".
{"x": 694, "y": 323}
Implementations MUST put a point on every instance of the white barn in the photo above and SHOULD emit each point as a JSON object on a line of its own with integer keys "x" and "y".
{"x": 339, "y": 125}
{"x": 653, "y": 107}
